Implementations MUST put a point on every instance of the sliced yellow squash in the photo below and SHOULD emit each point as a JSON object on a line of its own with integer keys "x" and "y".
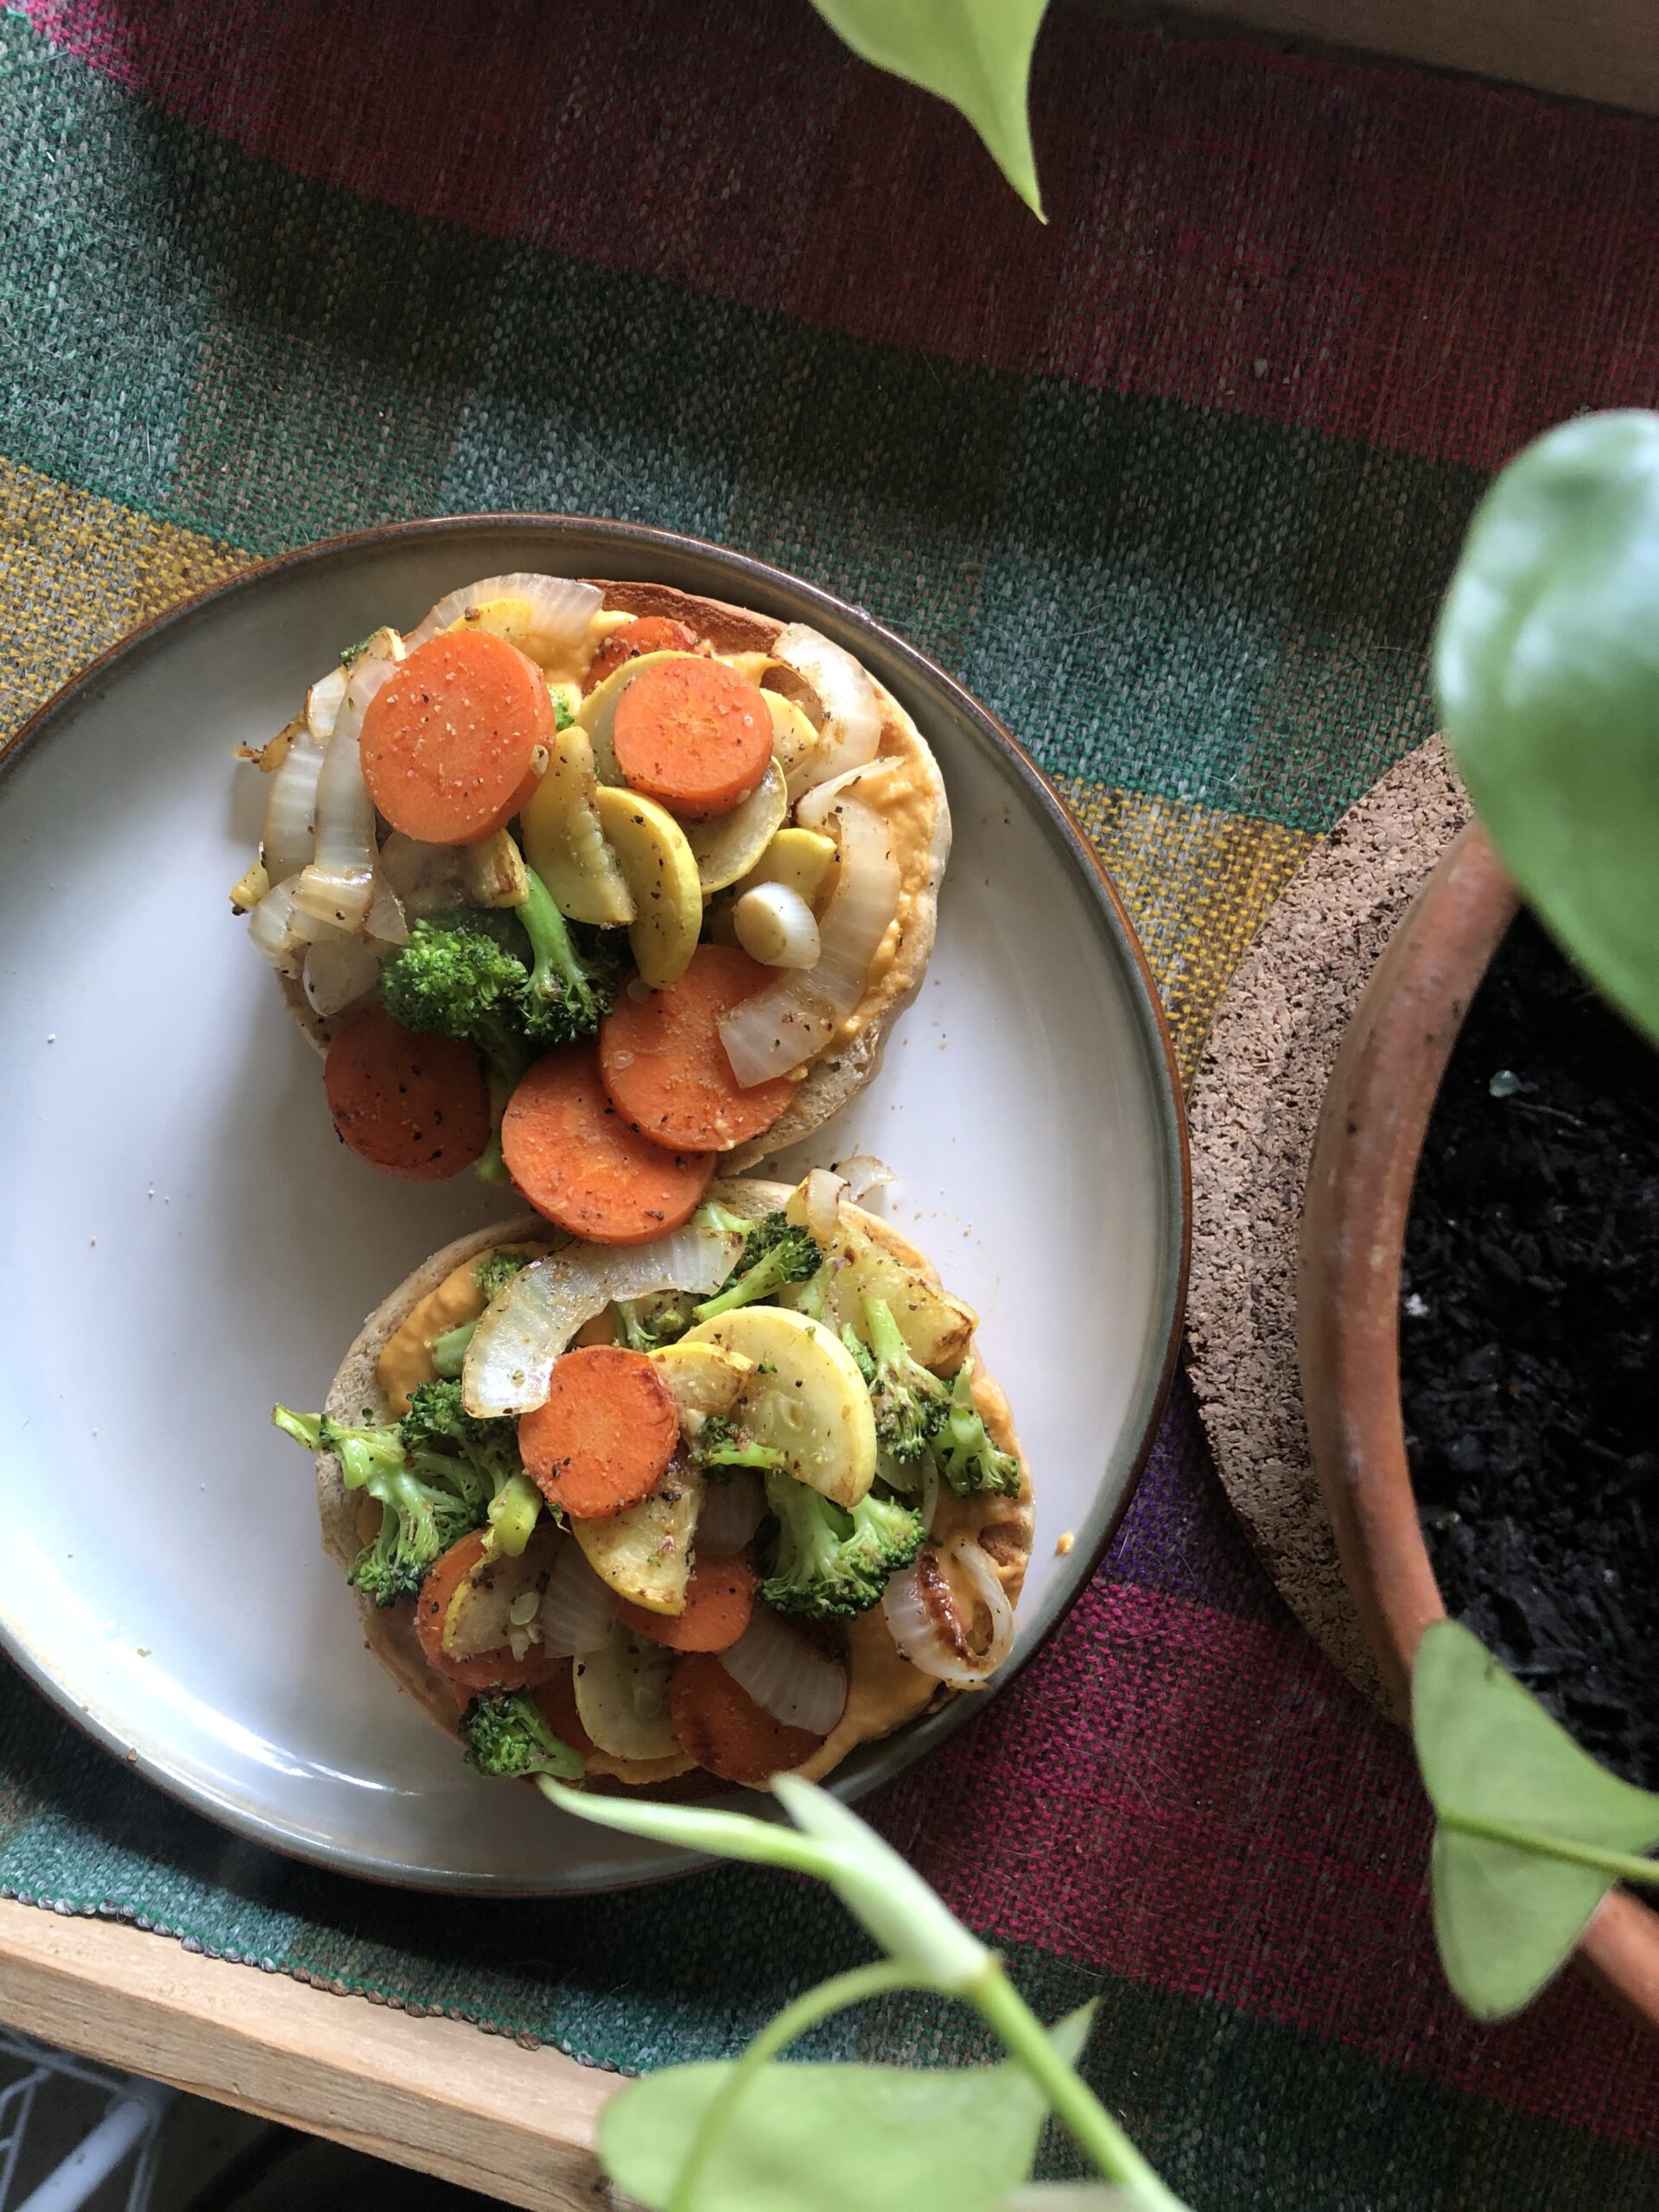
{"x": 937, "y": 1328}
{"x": 727, "y": 846}
{"x": 805, "y": 1399}
{"x": 661, "y": 875}
{"x": 645, "y": 1555}
{"x": 564, "y": 842}
{"x": 622, "y": 1697}
{"x": 798, "y": 859}
{"x": 703, "y": 1378}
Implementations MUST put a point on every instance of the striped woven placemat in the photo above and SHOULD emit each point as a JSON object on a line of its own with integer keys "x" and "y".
{"x": 1174, "y": 485}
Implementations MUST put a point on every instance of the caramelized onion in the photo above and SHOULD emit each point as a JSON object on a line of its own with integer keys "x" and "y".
{"x": 560, "y": 610}
{"x": 926, "y": 1617}
{"x": 730, "y": 1513}
{"x": 340, "y": 884}
{"x": 535, "y": 1315}
{"x": 579, "y": 1609}
{"x": 786, "y": 1675}
{"x": 281, "y": 932}
{"x": 852, "y": 714}
{"x": 780, "y": 1027}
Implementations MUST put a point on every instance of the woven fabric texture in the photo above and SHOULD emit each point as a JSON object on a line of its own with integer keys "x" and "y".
{"x": 1174, "y": 484}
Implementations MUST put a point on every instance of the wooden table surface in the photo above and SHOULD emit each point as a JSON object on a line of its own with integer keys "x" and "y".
{"x": 436, "y": 2094}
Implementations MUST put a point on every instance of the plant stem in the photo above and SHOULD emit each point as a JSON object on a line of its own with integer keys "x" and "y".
{"x": 1085, "y": 2119}
{"x": 832, "y": 1996}
{"x": 1623, "y": 1866}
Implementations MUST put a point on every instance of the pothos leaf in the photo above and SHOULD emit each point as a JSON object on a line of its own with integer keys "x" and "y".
{"x": 1506, "y": 1916}
{"x": 818, "y": 2139}
{"x": 975, "y": 54}
{"x": 1547, "y": 673}
{"x": 1070, "y": 2196}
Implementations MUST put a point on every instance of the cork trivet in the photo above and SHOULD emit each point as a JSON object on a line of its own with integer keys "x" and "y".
{"x": 1253, "y": 1110}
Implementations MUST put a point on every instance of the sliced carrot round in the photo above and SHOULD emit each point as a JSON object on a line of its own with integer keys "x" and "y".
{"x": 604, "y": 1436}
{"x": 486, "y": 1671}
{"x": 577, "y": 1160}
{"x": 646, "y": 634}
{"x": 693, "y": 734}
{"x": 411, "y": 1104}
{"x": 721, "y": 1727}
{"x": 665, "y": 1069}
{"x": 719, "y": 1601}
{"x": 450, "y": 743}
{"x": 557, "y": 1698}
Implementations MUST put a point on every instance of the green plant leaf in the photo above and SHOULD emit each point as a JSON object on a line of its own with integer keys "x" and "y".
{"x": 874, "y": 1884}
{"x": 975, "y": 54}
{"x": 1508, "y": 1914}
{"x": 1070, "y": 2196}
{"x": 1547, "y": 673}
{"x": 820, "y": 2139}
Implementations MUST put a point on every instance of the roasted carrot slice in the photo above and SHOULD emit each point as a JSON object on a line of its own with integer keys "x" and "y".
{"x": 646, "y": 634}
{"x": 557, "y": 1700}
{"x": 452, "y": 743}
{"x": 604, "y": 1436}
{"x": 665, "y": 1069}
{"x": 578, "y": 1161}
{"x": 411, "y": 1104}
{"x": 719, "y": 1600}
{"x": 486, "y": 1670}
{"x": 693, "y": 734}
{"x": 722, "y": 1728}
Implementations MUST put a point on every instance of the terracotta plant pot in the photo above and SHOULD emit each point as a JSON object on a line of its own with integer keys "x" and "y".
{"x": 1370, "y": 1134}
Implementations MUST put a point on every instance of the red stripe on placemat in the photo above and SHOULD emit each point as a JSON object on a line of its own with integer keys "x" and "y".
{"x": 1412, "y": 261}
{"x": 1197, "y": 1800}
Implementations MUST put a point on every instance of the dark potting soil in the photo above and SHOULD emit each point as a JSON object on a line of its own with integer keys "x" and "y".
{"x": 1530, "y": 1356}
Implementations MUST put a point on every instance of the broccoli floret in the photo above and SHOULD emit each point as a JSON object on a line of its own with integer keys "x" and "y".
{"x": 909, "y": 1403}
{"x": 486, "y": 1449}
{"x": 721, "y": 1444}
{"x": 961, "y": 1445}
{"x": 775, "y": 1253}
{"x": 448, "y": 1352}
{"x": 497, "y": 1268}
{"x": 428, "y": 1501}
{"x": 457, "y": 976}
{"x": 863, "y": 1357}
{"x": 829, "y": 1563}
{"x": 647, "y": 1324}
{"x": 568, "y": 992}
{"x": 713, "y": 1215}
{"x": 509, "y": 1736}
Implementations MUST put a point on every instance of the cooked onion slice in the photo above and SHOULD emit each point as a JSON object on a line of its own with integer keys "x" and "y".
{"x": 786, "y": 1675}
{"x": 340, "y": 970}
{"x": 323, "y": 704}
{"x": 279, "y": 929}
{"x": 821, "y": 1195}
{"x": 560, "y": 610}
{"x": 339, "y": 885}
{"x": 852, "y": 712}
{"x": 579, "y": 1609}
{"x": 289, "y": 832}
{"x": 730, "y": 1513}
{"x": 537, "y": 1313}
{"x": 784, "y": 1025}
{"x": 863, "y": 1174}
{"x": 934, "y": 1631}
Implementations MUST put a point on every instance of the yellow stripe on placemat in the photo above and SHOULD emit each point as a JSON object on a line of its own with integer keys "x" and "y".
{"x": 1197, "y": 883}
{"x": 78, "y": 572}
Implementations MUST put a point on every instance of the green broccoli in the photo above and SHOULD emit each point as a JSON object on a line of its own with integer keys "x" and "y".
{"x": 647, "y": 1324}
{"x": 508, "y": 1735}
{"x": 828, "y": 1562}
{"x": 566, "y": 994}
{"x": 498, "y": 1269}
{"x": 458, "y": 978}
{"x": 961, "y": 1445}
{"x": 775, "y": 1253}
{"x": 908, "y": 1402}
{"x": 428, "y": 1501}
{"x": 448, "y": 1352}
{"x": 488, "y": 1448}
{"x": 721, "y": 1444}
{"x": 711, "y": 1215}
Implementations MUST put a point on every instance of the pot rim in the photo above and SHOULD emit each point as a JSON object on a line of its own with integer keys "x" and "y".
{"x": 1370, "y": 1134}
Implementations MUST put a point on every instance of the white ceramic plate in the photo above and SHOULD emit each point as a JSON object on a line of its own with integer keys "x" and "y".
{"x": 186, "y": 1240}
